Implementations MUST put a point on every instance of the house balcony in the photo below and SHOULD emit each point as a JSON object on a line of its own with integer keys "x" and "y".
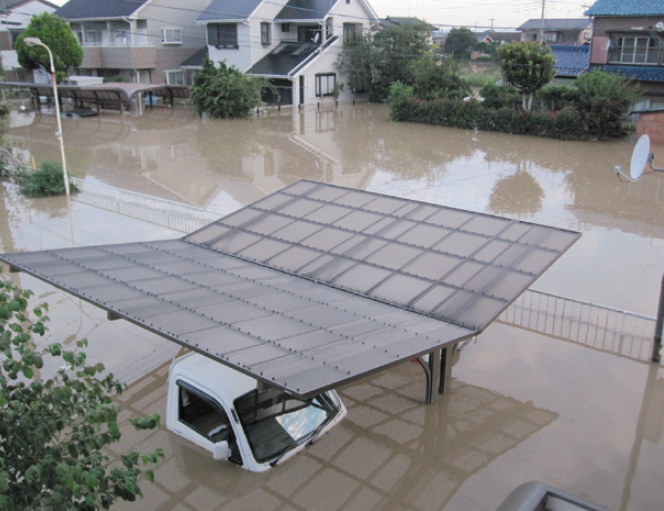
{"x": 119, "y": 57}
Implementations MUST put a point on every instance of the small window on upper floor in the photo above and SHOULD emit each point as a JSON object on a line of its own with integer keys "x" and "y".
{"x": 266, "y": 33}
{"x": 171, "y": 36}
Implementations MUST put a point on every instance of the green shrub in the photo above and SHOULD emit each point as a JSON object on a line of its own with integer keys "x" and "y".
{"x": 46, "y": 181}
{"x": 117, "y": 79}
{"x": 434, "y": 77}
{"x": 557, "y": 97}
{"x": 603, "y": 100}
{"x": 500, "y": 96}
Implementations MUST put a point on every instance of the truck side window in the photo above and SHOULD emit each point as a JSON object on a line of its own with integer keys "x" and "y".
{"x": 202, "y": 413}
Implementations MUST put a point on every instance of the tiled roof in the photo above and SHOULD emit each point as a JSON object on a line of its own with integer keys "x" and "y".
{"x": 220, "y": 10}
{"x": 98, "y": 9}
{"x": 640, "y": 73}
{"x": 556, "y": 24}
{"x": 305, "y": 10}
{"x": 571, "y": 60}
{"x": 283, "y": 59}
{"x": 197, "y": 59}
{"x": 626, "y": 8}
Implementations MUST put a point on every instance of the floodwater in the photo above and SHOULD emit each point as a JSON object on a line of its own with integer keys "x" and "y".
{"x": 524, "y": 405}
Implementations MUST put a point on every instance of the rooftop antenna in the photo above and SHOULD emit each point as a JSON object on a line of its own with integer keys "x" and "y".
{"x": 640, "y": 157}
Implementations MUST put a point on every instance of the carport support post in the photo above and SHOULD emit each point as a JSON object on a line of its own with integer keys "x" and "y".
{"x": 438, "y": 373}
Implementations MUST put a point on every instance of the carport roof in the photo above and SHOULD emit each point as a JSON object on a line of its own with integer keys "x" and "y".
{"x": 314, "y": 285}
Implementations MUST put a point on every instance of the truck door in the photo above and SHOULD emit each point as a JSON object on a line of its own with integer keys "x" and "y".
{"x": 206, "y": 417}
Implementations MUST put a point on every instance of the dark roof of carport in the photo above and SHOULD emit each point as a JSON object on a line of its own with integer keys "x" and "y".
{"x": 314, "y": 285}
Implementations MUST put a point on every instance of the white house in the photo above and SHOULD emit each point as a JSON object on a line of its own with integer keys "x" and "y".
{"x": 294, "y": 43}
{"x": 15, "y": 16}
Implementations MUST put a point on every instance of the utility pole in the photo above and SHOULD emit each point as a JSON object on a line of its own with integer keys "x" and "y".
{"x": 542, "y": 23}
{"x": 492, "y": 20}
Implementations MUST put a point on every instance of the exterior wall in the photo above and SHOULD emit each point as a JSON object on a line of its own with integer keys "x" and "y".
{"x": 16, "y": 21}
{"x": 265, "y": 12}
{"x": 240, "y": 57}
{"x": 652, "y": 124}
{"x": 169, "y": 14}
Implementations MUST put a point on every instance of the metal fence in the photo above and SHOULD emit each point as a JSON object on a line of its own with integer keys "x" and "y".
{"x": 174, "y": 215}
{"x": 602, "y": 328}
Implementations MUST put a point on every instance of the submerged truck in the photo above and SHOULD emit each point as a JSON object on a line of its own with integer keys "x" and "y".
{"x": 239, "y": 419}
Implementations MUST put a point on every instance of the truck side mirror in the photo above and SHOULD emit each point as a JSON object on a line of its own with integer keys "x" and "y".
{"x": 221, "y": 451}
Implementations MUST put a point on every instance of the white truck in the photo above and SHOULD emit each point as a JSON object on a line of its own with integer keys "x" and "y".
{"x": 237, "y": 418}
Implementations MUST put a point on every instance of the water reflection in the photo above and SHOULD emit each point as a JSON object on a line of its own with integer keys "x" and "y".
{"x": 390, "y": 452}
{"x": 519, "y": 194}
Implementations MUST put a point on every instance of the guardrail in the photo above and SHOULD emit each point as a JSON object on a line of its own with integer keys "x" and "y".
{"x": 174, "y": 215}
{"x": 606, "y": 329}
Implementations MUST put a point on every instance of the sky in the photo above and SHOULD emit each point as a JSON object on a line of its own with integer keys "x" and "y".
{"x": 482, "y": 14}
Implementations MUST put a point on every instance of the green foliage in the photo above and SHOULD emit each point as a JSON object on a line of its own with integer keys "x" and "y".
{"x": 603, "y": 100}
{"x": 528, "y": 66}
{"x": 224, "y": 92}
{"x": 55, "y": 33}
{"x": 436, "y": 77}
{"x": 117, "y": 79}
{"x": 500, "y": 96}
{"x": 46, "y": 181}
{"x": 557, "y": 97}
{"x": 383, "y": 58}
{"x": 460, "y": 42}
{"x": 471, "y": 114}
{"x": 53, "y": 431}
{"x": 481, "y": 78}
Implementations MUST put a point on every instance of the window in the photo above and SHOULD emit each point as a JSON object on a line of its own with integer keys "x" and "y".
{"x": 352, "y": 33}
{"x": 175, "y": 77}
{"x": 202, "y": 413}
{"x": 325, "y": 84}
{"x": 285, "y": 27}
{"x": 265, "y": 33}
{"x": 329, "y": 28}
{"x": 550, "y": 37}
{"x": 308, "y": 34}
{"x": 633, "y": 50}
{"x": 223, "y": 35}
{"x": 171, "y": 36}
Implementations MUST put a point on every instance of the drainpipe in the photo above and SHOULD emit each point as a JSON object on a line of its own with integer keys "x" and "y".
{"x": 657, "y": 341}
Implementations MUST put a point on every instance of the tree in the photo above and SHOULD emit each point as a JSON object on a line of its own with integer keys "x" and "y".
{"x": 603, "y": 99}
{"x": 53, "y": 431}
{"x": 460, "y": 42}
{"x": 224, "y": 92}
{"x": 528, "y": 66}
{"x": 434, "y": 77}
{"x": 55, "y": 33}
{"x": 383, "y": 58}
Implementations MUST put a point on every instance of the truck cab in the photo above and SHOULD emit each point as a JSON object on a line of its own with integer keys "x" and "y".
{"x": 237, "y": 418}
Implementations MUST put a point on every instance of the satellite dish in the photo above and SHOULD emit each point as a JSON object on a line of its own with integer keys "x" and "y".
{"x": 640, "y": 157}
{"x": 659, "y": 27}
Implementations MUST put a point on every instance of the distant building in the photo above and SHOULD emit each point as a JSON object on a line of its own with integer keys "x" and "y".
{"x": 557, "y": 31}
{"x": 15, "y": 16}
{"x": 628, "y": 39}
{"x": 498, "y": 36}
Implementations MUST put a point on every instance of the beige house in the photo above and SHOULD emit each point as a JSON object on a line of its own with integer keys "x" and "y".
{"x": 143, "y": 41}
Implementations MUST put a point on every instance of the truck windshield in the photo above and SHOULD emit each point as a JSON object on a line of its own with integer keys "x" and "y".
{"x": 275, "y": 422}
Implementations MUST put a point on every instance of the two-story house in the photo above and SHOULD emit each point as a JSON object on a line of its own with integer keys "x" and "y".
{"x": 294, "y": 43}
{"x": 15, "y": 16}
{"x": 628, "y": 39}
{"x": 145, "y": 41}
{"x": 556, "y": 31}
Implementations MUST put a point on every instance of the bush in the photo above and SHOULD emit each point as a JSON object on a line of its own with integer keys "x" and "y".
{"x": 224, "y": 92}
{"x": 500, "y": 96}
{"x": 557, "y": 97}
{"x": 46, "y": 181}
{"x": 434, "y": 77}
{"x": 603, "y": 100}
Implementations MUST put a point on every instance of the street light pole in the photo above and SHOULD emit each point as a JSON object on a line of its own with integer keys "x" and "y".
{"x": 35, "y": 41}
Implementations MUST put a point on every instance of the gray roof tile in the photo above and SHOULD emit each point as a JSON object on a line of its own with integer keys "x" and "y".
{"x": 626, "y": 8}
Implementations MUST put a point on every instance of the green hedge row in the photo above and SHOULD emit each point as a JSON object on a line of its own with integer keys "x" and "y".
{"x": 566, "y": 124}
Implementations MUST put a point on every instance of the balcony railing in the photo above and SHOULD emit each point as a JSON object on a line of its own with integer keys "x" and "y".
{"x": 115, "y": 39}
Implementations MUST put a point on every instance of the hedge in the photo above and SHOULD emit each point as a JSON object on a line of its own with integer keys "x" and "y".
{"x": 566, "y": 124}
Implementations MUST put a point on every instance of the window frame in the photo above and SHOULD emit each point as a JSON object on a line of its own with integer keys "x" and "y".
{"x": 183, "y": 386}
{"x": 621, "y": 53}
{"x": 266, "y": 33}
{"x": 352, "y": 33}
{"x": 226, "y": 39}
{"x": 173, "y": 31}
{"x": 323, "y": 83}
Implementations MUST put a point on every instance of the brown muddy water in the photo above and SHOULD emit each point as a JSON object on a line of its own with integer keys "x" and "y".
{"x": 568, "y": 410}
